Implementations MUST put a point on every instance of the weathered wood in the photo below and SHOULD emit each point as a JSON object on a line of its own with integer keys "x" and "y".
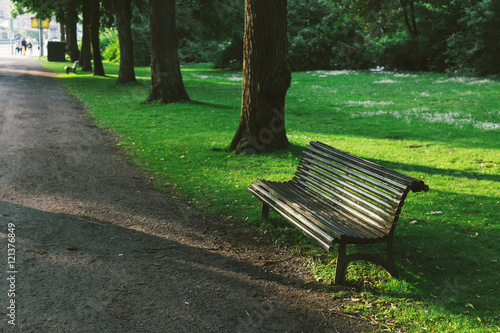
{"x": 338, "y": 198}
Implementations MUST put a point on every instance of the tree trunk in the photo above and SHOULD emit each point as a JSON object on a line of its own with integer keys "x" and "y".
{"x": 95, "y": 18}
{"x": 266, "y": 79}
{"x": 86, "y": 54}
{"x": 71, "y": 41}
{"x": 123, "y": 12}
{"x": 411, "y": 22}
{"x": 166, "y": 78}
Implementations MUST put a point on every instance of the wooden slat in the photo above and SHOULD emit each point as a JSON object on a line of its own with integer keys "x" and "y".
{"x": 389, "y": 204}
{"x": 391, "y": 194}
{"x": 366, "y": 176}
{"x": 358, "y": 198}
{"x": 416, "y": 184}
{"x": 311, "y": 204}
{"x": 359, "y": 168}
{"x": 337, "y": 198}
{"x": 350, "y": 213}
{"x": 308, "y": 233}
{"x": 345, "y": 224}
{"x": 292, "y": 198}
{"x": 303, "y": 221}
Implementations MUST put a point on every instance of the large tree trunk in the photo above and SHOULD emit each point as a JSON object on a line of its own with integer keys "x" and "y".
{"x": 166, "y": 78}
{"x": 71, "y": 41}
{"x": 95, "y": 21}
{"x": 86, "y": 54}
{"x": 123, "y": 12}
{"x": 266, "y": 79}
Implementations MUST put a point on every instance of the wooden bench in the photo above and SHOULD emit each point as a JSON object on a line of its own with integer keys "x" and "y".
{"x": 338, "y": 198}
{"x": 71, "y": 69}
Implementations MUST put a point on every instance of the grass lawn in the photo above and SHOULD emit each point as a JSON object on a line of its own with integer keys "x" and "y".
{"x": 443, "y": 130}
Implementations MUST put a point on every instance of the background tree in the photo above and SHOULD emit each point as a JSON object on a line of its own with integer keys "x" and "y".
{"x": 95, "y": 22}
{"x": 66, "y": 13}
{"x": 86, "y": 53}
{"x": 266, "y": 79}
{"x": 123, "y": 13}
{"x": 71, "y": 20}
{"x": 166, "y": 78}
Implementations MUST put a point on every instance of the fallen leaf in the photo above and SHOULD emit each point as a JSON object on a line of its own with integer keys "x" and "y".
{"x": 117, "y": 315}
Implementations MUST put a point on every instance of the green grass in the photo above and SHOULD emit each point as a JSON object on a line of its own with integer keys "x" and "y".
{"x": 443, "y": 130}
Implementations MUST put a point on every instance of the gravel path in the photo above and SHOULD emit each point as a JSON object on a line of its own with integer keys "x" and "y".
{"x": 97, "y": 249}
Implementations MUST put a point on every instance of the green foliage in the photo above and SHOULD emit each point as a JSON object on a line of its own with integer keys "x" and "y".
{"x": 443, "y": 130}
{"x": 197, "y": 51}
{"x": 475, "y": 48}
{"x": 110, "y": 45}
{"x": 142, "y": 47}
{"x": 324, "y": 37}
{"x": 206, "y": 30}
{"x": 231, "y": 56}
{"x": 458, "y": 36}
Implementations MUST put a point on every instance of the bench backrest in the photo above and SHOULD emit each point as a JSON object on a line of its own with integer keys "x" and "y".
{"x": 358, "y": 191}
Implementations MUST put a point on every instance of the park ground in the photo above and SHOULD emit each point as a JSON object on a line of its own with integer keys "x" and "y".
{"x": 98, "y": 249}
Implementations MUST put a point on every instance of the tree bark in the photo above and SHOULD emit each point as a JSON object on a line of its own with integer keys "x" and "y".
{"x": 166, "y": 78}
{"x": 266, "y": 79}
{"x": 86, "y": 53}
{"x": 71, "y": 41}
{"x": 123, "y": 13}
{"x": 95, "y": 19}
{"x": 410, "y": 25}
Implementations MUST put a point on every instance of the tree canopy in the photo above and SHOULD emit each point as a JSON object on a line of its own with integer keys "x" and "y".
{"x": 459, "y": 36}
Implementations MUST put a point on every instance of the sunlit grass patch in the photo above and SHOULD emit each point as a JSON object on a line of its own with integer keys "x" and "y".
{"x": 442, "y": 130}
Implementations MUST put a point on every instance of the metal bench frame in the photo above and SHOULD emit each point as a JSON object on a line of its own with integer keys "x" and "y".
{"x": 71, "y": 69}
{"x": 339, "y": 198}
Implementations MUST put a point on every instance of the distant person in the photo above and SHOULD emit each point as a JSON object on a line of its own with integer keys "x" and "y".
{"x": 30, "y": 47}
{"x": 19, "y": 49}
{"x": 23, "y": 44}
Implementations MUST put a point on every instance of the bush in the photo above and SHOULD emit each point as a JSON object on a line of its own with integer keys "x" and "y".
{"x": 196, "y": 51}
{"x": 474, "y": 48}
{"x": 110, "y": 45}
{"x": 142, "y": 47}
{"x": 322, "y": 36}
{"x": 231, "y": 55}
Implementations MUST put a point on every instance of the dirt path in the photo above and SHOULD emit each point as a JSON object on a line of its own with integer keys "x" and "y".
{"x": 98, "y": 250}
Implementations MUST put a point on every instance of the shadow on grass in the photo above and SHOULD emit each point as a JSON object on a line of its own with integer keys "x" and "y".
{"x": 212, "y": 105}
{"x": 437, "y": 171}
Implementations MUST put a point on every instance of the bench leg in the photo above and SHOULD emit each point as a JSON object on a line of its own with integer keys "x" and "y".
{"x": 264, "y": 215}
{"x": 343, "y": 260}
{"x": 341, "y": 267}
{"x": 390, "y": 265}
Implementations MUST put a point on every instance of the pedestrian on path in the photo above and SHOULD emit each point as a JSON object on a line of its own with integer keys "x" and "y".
{"x": 24, "y": 44}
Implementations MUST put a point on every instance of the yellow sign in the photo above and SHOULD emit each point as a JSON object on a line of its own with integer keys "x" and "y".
{"x": 34, "y": 23}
